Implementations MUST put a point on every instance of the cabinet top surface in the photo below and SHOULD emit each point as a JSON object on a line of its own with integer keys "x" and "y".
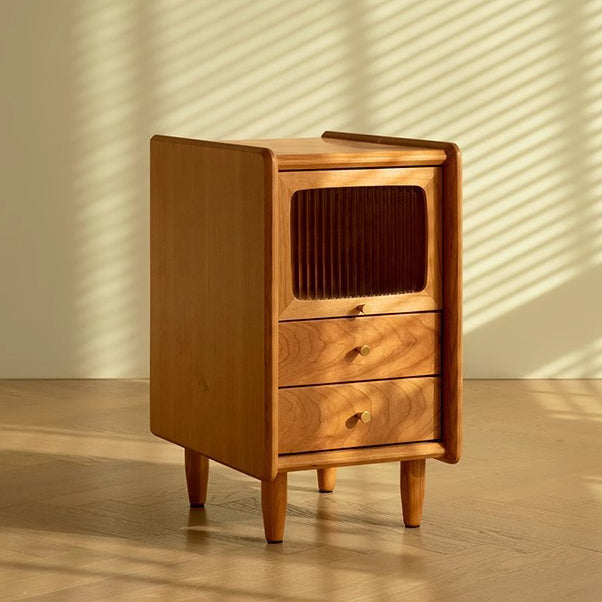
{"x": 322, "y": 153}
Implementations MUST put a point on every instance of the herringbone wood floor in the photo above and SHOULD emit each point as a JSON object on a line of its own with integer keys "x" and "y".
{"x": 93, "y": 507}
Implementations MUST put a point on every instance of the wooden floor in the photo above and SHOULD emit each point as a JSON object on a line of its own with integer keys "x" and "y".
{"x": 92, "y": 507}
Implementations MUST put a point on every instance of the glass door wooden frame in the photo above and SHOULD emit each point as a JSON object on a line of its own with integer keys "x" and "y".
{"x": 429, "y": 299}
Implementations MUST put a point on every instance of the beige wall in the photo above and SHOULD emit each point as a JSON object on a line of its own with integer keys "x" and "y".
{"x": 84, "y": 84}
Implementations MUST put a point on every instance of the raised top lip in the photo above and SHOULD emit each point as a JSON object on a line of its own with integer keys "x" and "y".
{"x": 337, "y": 150}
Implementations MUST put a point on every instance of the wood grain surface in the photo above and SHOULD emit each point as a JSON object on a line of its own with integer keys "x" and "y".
{"x": 273, "y": 507}
{"x": 197, "y": 475}
{"x": 327, "y": 478}
{"x": 412, "y": 485}
{"x": 324, "y": 153}
{"x": 326, "y": 351}
{"x": 212, "y": 325}
{"x": 360, "y": 455}
{"x": 327, "y": 417}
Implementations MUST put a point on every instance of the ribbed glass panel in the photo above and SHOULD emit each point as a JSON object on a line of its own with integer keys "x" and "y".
{"x": 358, "y": 242}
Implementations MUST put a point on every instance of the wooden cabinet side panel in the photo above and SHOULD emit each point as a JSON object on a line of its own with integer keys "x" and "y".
{"x": 211, "y": 385}
{"x": 451, "y": 339}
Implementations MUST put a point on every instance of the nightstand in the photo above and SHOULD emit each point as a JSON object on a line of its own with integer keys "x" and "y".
{"x": 306, "y": 308}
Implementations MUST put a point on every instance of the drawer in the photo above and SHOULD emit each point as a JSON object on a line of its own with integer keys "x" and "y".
{"x": 330, "y": 351}
{"x": 328, "y": 416}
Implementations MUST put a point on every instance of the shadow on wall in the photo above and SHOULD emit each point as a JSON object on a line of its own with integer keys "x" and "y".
{"x": 548, "y": 322}
{"x": 517, "y": 86}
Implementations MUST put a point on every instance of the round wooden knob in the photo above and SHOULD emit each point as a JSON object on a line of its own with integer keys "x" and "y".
{"x": 363, "y": 350}
{"x": 364, "y": 416}
{"x": 364, "y": 308}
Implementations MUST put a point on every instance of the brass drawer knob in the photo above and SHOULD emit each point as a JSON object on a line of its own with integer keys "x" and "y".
{"x": 364, "y": 308}
{"x": 363, "y": 350}
{"x": 364, "y": 416}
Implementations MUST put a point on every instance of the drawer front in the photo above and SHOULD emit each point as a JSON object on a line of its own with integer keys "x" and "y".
{"x": 328, "y": 416}
{"x": 330, "y": 351}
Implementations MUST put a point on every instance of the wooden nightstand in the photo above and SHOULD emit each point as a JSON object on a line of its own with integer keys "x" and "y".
{"x": 306, "y": 308}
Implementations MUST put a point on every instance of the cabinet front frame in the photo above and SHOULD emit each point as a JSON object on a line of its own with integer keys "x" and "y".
{"x": 429, "y": 299}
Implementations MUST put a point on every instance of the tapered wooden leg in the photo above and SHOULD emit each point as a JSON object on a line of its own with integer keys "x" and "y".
{"x": 412, "y": 491}
{"x": 273, "y": 505}
{"x": 327, "y": 478}
{"x": 197, "y": 475}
